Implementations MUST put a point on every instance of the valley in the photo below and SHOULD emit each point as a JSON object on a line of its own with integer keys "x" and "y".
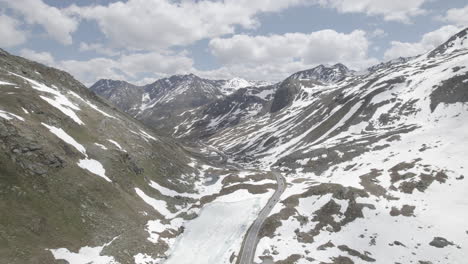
{"x": 329, "y": 165}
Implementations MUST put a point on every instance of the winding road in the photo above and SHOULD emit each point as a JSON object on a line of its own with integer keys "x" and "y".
{"x": 247, "y": 252}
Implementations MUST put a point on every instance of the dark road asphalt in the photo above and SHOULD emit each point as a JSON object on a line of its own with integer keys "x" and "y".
{"x": 250, "y": 242}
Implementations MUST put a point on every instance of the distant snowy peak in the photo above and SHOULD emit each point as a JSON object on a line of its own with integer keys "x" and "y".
{"x": 237, "y": 83}
{"x": 234, "y": 84}
{"x": 322, "y": 73}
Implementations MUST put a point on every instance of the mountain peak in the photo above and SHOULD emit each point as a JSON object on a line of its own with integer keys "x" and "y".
{"x": 106, "y": 85}
{"x": 458, "y": 41}
{"x": 234, "y": 84}
{"x": 323, "y": 73}
{"x": 237, "y": 83}
{"x": 188, "y": 76}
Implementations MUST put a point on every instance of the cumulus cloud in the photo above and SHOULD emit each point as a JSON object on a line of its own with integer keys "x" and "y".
{"x": 428, "y": 42}
{"x": 57, "y": 24}
{"x": 278, "y": 55}
{"x": 394, "y": 10}
{"x": 159, "y": 24}
{"x": 98, "y": 48}
{"x": 270, "y": 58}
{"x": 42, "y": 57}
{"x": 264, "y": 72}
{"x": 458, "y": 16}
{"x": 10, "y": 33}
{"x": 135, "y": 67}
{"x": 378, "y": 33}
{"x": 132, "y": 67}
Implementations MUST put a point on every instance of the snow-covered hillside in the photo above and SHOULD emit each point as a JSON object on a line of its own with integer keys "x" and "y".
{"x": 326, "y": 74}
{"x": 375, "y": 163}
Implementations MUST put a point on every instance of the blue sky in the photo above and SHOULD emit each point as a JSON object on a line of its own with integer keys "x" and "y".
{"x": 143, "y": 40}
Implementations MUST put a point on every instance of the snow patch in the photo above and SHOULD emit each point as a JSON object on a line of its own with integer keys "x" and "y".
{"x": 9, "y": 116}
{"x": 218, "y": 231}
{"x": 117, "y": 145}
{"x": 86, "y": 255}
{"x": 60, "y": 133}
{"x": 158, "y": 205}
{"x": 94, "y": 166}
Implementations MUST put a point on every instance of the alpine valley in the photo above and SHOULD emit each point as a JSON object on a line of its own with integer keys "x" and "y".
{"x": 327, "y": 166}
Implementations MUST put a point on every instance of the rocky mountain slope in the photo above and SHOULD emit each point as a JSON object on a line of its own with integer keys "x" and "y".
{"x": 160, "y": 104}
{"x": 82, "y": 182}
{"x": 322, "y": 73}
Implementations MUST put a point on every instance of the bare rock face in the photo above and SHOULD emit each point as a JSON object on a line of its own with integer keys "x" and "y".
{"x": 285, "y": 94}
{"x": 291, "y": 87}
{"x": 440, "y": 242}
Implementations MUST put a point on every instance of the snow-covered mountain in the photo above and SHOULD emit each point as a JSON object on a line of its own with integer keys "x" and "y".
{"x": 323, "y": 73}
{"x": 234, "y": 84}
{"x": 228, "y": 87}
{"x": 244, "y": 104}
{"x": 161, "y": 103}
{"x": 375, "y": 163}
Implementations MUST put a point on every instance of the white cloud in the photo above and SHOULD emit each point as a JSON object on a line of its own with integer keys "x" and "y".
{"x": 276, "y": 56}
{"x": 89, "y": 71}
{"x": 391, "y": 10}
{"x": 264, "y": 72}
{"x": 159, "y": 24}
{"x": 57, "y": 24}
{"x": 428, "y": 42}
{"x": 42, "y": 57}
{"x": 10, "y": 34}
{"x": 131, "y": 67}
{"x": 378, "y": 33}
{"x": 155, "y": 63}
{"x": 136, "y": 67}
{"x": 98, "y": 48}
{"x": 457, "y": 16}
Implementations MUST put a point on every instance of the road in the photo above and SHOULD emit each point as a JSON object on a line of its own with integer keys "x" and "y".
{"x": 247, "y": 252}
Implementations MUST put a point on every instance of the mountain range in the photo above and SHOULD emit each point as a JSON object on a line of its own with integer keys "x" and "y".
{"x": 178, "y": 170}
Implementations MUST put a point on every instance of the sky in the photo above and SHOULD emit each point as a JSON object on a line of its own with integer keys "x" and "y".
{"x": 141, "y": 41}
